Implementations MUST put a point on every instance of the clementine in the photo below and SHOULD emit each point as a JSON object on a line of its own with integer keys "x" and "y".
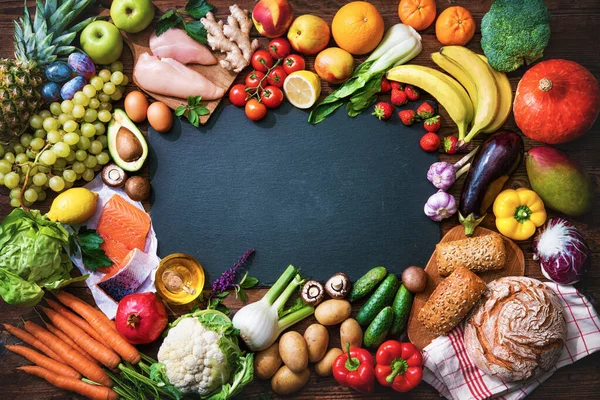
{"x": 357, "y": 27}
{"x": 417, "y": 13}
{"x": 455, "y": 26}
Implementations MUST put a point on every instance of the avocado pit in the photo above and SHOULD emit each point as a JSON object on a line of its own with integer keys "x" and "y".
{"x": 128, "y": 145}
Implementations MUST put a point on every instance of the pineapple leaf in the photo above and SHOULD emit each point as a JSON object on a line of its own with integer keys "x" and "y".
{"x": 51, "y": 6}
{"x": 80, "y": 6}
{"x": 39, "y": 16}
{"x": 65, "y": 50}
{"x": 62, "y": 24}
{"x": 42, "y": 35}
{"x": 77, "y": 27}
{"x": 65, "y": 39}
{"x": 60, "y": 14}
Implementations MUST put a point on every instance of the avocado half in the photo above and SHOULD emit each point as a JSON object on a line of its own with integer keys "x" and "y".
{"x": 126, "y": 144}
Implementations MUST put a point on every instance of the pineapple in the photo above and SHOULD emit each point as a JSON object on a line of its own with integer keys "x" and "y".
{"x": 38, "y": 42}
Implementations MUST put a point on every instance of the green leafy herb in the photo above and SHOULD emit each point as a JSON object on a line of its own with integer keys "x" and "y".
{"x": 216, "y": 303}
{"x": 193, "y": 110}
{"x": 92, "y": 255}
{"x": 247, "y": 282}
{"x": 174, "y": 18}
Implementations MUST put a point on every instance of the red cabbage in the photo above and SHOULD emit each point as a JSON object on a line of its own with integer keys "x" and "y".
{"x": 561, "y": 250}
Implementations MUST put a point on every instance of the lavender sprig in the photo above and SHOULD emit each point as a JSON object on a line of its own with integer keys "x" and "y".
{"x": 227, "y": 278}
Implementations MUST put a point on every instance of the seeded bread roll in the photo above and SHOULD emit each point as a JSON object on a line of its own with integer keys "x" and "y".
{"x": 479, "y": 254}
{"x": 451, "y": 301}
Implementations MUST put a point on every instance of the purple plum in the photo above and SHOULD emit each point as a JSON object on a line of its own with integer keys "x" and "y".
{"x": 50, "y": 92}
{"x": 58, "y": 71}
{"x": 82, "y": 64}
{"x": 71, "y": 87}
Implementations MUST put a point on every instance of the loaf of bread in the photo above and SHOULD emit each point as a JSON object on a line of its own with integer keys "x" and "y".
{"x": 517, "y": 331}
{"x": 479, "y": 254}
{"x": 451, "y": 301}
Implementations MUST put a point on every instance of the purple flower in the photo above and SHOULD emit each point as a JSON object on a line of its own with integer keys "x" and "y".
{"x": 227, "y": 278}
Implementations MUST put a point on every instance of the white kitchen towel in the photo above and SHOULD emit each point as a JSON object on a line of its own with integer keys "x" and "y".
{"x": 450, "y": 371}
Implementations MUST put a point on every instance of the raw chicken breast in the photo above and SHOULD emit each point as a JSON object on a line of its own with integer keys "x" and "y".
{"x": 176, "y": 44}
{"x": 171, "y": 78}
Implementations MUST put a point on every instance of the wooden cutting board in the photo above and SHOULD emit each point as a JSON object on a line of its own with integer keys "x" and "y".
{"x": 138, "y": 43}
{"x": 418, "y": 334}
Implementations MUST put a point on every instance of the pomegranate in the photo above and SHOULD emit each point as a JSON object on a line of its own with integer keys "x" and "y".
{"x": 141, "y": 317}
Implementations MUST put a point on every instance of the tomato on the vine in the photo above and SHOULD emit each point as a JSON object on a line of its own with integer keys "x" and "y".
{"x": 262, "y": 60}
{"x": 276, "y": 76}
{"x": 237, "y": 95}
{"x": 293, "y": 63}
{"x": 255, "y": 110}
{"x": 272, "y": 97}
{"x": 253, "y": 79}
{"x": 279, "y": 48}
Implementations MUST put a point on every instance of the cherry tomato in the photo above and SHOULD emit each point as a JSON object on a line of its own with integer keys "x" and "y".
{"x": 253, "y": 79}
{"x": 279, "y": 48}
{"x": 262, "y": 60}
{"x": 237, "y": 95}
{"x": 255, "y": 110}
{"x": 293, "y": 63}
{"x": 272, "y": 97}
{"x": 277, "y": 76}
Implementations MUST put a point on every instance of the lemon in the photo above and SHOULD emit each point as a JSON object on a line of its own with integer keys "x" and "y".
{"x": 73, "y": 206}
{"x": 302, "y": 88}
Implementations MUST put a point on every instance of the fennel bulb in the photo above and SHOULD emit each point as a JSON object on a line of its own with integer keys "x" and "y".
{"x": 260, "y": 324}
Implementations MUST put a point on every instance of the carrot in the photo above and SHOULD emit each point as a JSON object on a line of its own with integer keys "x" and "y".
{"x": 80, "y": 322}
{"x": 100, "y": 324}
{"x": 94, "y": 348}
{"x": 94, "y": 392}
{"x": 63, "y": 336}
{"x": 45, "y": 362}
{"x": 72, "y": 357}
{"x": 32, "y": 341}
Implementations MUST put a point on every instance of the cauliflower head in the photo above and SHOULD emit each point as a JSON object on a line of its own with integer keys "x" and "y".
{"x": 201, "y": 353}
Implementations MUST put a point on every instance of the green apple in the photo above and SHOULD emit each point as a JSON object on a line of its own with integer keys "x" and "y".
{"x": 132, "y": 15}
{"x": 102, "y": 41}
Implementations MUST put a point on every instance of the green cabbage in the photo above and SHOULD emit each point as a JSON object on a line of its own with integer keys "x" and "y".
{"x": 33, "y": 256}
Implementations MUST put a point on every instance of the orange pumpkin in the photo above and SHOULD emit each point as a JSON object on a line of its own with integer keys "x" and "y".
{"x": 455, "y": 26}
{"x": 417, "y": 13}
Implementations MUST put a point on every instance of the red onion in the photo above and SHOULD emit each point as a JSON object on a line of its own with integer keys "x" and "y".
{"x": 141, "y": 317}
{"x": 561, "y": 250}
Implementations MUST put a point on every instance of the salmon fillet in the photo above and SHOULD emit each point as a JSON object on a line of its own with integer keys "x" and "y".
{"x": 176, "y": 44}
{"x": 123, "y": 227}
{"x": 136, "y": 267}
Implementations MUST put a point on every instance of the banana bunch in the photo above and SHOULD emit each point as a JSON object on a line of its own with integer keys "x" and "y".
{"x": 480, "y": 103}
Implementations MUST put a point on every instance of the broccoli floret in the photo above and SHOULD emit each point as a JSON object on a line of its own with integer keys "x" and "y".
{"x": 514, "y": 32}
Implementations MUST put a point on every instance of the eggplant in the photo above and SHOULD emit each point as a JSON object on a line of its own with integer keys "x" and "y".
{"x": 498, "y": 157}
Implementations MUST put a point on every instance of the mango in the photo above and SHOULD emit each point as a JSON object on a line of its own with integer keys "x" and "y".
{"x": 559, "y": 181}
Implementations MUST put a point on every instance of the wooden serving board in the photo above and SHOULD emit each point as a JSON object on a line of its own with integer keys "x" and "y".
{"x": 138, "y": 43}
{"x": 418, "y": 334}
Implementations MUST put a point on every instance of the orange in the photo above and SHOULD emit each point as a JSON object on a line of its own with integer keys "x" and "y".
{"x": 357, "y": 27}
{"x": 455, "y": 26}
{"x": 417, "y": 13}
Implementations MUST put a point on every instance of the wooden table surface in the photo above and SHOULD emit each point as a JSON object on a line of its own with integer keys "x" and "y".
{"x": 574, "y": 37}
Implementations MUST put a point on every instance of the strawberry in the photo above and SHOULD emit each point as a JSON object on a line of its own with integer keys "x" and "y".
{"x": 396, "y": 85}
{"x": 407, "y": 117}
{"x": 430, "y": 142}
{"x": 386, "y": 86}
{"x": 432, "y": 124}
{"x": 412, "y": 93}
{"x": 425, "y": 110}
{"x": 383, "y": 110}
{"x": 450, "y": 144}
{"x": 398, "y": 97}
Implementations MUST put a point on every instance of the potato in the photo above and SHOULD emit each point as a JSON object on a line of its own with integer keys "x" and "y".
{"x": 332, "y": 312}
{"x": 267, "y": 362}
{"x": 324, "y": 367}
{"x": 351, "y": 332}
{"x": 286, "y": 381}
{"x": 317, "y": 340}
{"x": 293, "y": 351}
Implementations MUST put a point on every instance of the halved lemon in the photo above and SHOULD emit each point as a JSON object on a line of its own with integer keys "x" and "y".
{"x": 302, "y": 88}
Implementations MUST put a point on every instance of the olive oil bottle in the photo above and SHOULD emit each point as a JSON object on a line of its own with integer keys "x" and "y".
{"x": 179, "y": 278}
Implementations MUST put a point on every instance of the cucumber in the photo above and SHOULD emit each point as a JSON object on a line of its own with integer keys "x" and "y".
{"x": 401, "y": 307}
{"x": 378, "y": 329}
{"x": 365, "y": 284}
{"x": 383, "y": 297}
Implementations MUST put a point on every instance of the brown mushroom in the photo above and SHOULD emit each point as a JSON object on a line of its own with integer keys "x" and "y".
{"x": 312, "y": 293}
{"x": 338, "y": 286}
{"x": 113, "y": 175}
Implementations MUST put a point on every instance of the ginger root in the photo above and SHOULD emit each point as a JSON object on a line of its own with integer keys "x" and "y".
{"x": 232, "y": 38}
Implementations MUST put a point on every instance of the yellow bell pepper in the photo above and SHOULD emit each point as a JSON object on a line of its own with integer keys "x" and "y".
{"x": 518, "y": 213}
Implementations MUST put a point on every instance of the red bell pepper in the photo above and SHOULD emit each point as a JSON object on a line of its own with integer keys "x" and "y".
{"x": 399, "y": 365}
{"x": 355, "y": 369}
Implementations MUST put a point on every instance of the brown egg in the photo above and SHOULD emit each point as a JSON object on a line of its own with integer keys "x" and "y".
{"x": 136, "y": 106}
{"x": 160, "y": 117}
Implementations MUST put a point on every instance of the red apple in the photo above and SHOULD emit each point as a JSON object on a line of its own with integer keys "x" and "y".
{"x": 272, "y": 18}
{"x": 309, "y": 34}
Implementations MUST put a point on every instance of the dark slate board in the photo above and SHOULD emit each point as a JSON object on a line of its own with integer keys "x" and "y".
{"x": 344, "y": 195}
